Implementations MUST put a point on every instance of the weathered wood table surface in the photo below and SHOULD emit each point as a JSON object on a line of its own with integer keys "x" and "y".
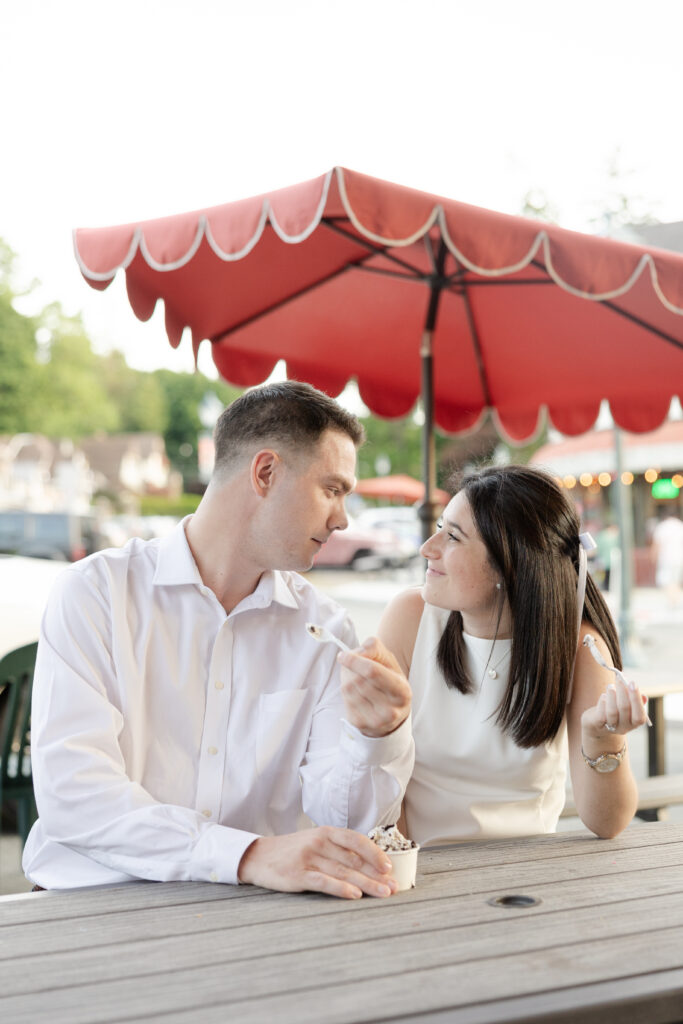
{"x": 603, "y": 943}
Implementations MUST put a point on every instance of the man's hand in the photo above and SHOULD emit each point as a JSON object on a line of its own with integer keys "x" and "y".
{"x": 337, "y": 861}
{"x": 375, "y": 690}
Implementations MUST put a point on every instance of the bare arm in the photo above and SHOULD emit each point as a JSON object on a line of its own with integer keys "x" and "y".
{"x": 399, "y": 625}
{"x": 606, "y": 802}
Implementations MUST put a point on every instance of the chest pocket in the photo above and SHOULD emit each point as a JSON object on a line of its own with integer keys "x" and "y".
{"x": 280, "y": 730}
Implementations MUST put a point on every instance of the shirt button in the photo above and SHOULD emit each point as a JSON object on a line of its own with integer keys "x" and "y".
{"x": 218, "y": 684}
{"x": 213, "y": 750}
{"x": 213, "y": 877}
{"x": 207, "y": 814}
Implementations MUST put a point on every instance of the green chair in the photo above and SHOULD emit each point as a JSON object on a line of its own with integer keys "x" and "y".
{"x": 16, "y": 783}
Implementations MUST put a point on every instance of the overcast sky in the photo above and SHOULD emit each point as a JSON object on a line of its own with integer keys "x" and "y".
{"x": 113, "y": 112}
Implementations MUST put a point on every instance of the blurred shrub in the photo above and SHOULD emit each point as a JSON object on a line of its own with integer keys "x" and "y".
{"x": 156, "y": 505}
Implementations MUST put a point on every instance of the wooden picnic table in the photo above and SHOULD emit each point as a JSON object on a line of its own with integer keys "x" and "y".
{"x": 602, "y": 942}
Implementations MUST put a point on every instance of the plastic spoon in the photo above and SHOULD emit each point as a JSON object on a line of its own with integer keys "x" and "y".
{"x": 323, "y": 636}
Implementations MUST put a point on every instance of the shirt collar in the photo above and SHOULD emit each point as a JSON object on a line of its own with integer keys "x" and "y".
{"x": 272, "y": 587}
{"x": 176, "y": 565}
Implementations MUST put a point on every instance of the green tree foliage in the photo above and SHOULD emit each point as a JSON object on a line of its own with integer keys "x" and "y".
{"x": 396, "y": 443}
{"x": 184, "y": 393}
{"x": 139, "y": 397}
{"x": 75, "y": 402}
{"x": 61, "y": 388}
{"x": 19, "y": 405}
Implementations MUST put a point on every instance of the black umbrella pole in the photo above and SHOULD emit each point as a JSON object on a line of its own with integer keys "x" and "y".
{"x": 625, "y": 521}
{"x": 427, "y": 510}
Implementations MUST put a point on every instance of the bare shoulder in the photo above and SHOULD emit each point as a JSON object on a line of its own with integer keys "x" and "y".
{"x": 584, "y": 651}
{"x": 590, "y": 679}
{"x": 399, "y": 625}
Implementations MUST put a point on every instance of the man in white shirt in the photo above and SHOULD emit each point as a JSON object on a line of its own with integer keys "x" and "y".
{"x": 185, "y": 726}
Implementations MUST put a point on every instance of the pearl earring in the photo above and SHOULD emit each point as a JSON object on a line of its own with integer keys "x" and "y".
{"x": 499, "y": 586}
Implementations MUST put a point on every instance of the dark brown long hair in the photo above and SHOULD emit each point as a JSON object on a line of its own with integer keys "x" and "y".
{"x": 530, "y": 528}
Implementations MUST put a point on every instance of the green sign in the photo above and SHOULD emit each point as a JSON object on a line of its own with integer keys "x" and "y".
{"x": 664, "y": 488}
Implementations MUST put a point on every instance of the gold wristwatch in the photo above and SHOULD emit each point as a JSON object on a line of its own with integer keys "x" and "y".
{"x": 605, "y": 762}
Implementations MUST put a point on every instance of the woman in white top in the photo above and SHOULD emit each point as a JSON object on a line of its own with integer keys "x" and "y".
{"x": 503, "y": 687}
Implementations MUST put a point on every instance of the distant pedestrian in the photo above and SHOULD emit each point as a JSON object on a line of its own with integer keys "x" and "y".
{"x": 607, "y": 540}
{"x": 667, "y": 550}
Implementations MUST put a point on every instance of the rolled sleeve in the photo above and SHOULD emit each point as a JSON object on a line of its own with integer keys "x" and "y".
{"x": 378, "y": 750}
{"x": 216, "y": 856}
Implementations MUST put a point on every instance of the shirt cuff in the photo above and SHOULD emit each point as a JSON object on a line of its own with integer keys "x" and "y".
{"x": 373, "y": 750}
{"x": 217, "y": 854}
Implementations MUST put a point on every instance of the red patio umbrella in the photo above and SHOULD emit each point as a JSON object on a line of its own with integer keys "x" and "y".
{"x": 348, "y": 276}
{"x": 398, "y": 486}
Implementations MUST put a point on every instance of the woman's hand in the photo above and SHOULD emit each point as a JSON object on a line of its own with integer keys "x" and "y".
{"x": 619, "y": 710}
{"x": 375, "y": 690}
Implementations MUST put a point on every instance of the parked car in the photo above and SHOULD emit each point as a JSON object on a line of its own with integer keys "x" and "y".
{"x": 401, "y": 519}
{"x": 61, "y": 536}
{"x": 364, "y": 547}
{"x": 24, "y": 586}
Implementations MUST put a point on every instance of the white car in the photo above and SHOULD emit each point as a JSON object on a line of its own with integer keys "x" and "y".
{"x": 401, "y": 519}
{"x": 364, "y": 547}
{"x": 24, "y": 586}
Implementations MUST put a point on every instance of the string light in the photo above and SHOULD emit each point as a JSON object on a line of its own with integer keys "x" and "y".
{"x": 677, "y": 480}
{"x": 569, "y": 481}
{"x": 586, "y": 479}
{"x": 651, "y": 475}
{"x": 627, "y": 477}
{"x": 604, "y": 479}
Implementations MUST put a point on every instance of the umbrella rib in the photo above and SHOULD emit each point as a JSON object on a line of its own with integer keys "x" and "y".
{"x": 457, "y": 278}
{"x": 454, "y": 279}
{"x": 476, "y": 345}
{"x": 374, "y": 249}
{"x": 642, "y": 323}
{"x": 392, "y": 273}
{"x": 603, "y": 302}
{"x": 216, "y": 339}
{"x": 432, "y": 256}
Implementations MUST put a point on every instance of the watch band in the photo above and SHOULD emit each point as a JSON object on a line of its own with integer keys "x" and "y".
{"x": 605, "y": 762}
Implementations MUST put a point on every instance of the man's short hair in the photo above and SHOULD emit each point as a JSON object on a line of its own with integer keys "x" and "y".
{"x": 287, "y": 414}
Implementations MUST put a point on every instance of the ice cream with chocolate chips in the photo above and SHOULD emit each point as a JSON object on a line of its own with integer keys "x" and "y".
{"x": 402, "y": 853}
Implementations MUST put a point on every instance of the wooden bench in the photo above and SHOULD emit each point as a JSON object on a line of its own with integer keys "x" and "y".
{"x": 654, "y": 792}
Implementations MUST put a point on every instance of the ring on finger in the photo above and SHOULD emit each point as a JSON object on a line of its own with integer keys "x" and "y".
{"x": 610, "y": 728}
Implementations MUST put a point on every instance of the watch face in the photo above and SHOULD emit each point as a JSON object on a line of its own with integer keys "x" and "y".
{"x": 609, "y": 764}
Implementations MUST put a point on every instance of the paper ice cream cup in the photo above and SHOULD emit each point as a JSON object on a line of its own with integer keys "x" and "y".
{"x": 404, "y": 867}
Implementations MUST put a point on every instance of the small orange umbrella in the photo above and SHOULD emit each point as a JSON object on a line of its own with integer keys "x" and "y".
{"x": 399, "y": 487}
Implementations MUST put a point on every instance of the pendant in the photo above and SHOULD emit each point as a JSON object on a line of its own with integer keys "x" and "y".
{"x": 493, "y": 674}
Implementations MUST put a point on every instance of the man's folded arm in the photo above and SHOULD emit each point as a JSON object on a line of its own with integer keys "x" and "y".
{"x": 85, "y": 799}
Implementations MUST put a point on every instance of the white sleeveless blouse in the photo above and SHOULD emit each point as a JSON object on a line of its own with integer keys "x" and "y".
{"x": 471, "y": 780}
